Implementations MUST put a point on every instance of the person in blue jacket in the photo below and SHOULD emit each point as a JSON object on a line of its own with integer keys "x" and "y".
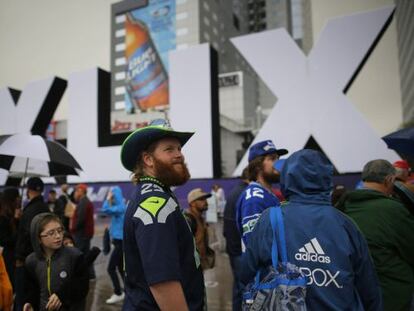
{"x": 324, "y": 243}
{"x": 258, "y": 195}
{"x": 114, "y": 206}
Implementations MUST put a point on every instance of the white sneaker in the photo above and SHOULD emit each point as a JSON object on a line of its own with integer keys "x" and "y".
{"x": 115, "y": 298}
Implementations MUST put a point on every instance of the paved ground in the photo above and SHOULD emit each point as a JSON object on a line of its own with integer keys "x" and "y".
{"x": 218, "y": 280}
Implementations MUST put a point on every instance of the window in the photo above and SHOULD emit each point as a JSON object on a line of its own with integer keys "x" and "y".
{"x": 236, "y": 22}
{"x": 182, "y": 15}
{"x": 206, "y": 6}
{"x": 182, "y": 31}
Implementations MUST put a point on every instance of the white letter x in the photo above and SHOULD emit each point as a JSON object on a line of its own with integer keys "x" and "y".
{"x": 310, "y": 89}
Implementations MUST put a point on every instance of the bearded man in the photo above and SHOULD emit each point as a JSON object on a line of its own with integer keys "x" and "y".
{"x": 197, "y": 201}
{"x": 258, "y": 195}
{"x": 162, "y": 266}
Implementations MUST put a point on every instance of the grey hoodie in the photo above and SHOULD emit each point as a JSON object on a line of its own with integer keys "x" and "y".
{"x": 64, "y": 274}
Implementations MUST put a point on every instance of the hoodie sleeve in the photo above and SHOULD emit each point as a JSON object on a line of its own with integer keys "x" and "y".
{"x": 258, "y": 252}
{"x": 117, "y": 206}
{"x": 366, "y": 280}
{"x": 31, "y": 284}
{"x": 78, "y": 286}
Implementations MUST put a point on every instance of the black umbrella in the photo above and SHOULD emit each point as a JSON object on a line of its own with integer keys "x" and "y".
{"x": 401, "y": 141}
{"x": 32, "y": 155}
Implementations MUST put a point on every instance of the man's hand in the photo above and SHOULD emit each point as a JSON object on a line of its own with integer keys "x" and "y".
{"x": 54, "y": 303}
{"x": 19, "y": 263}
{"x": 27, "y": 307}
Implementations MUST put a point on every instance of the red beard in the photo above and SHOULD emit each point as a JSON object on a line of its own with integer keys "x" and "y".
{"x": 171, "y": 174}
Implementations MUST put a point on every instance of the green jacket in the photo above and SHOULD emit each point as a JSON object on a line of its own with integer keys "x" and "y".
{"x": 389, "y": 230}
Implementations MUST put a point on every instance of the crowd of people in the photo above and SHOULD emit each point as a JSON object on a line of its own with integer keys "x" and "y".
{"x": 354, "y": 248}
{"x": 45, "y": 248}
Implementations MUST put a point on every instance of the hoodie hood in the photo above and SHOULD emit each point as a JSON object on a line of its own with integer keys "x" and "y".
{"x": 307, "y": 176}
{"x": 34, "y": 233}
{"x": 117, "y": 195}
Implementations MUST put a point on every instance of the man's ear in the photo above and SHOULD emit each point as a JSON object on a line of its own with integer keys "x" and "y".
{"x": 389, "y": 183}
{"x": 148, "y": 159}
{"x": 390, "y": 179}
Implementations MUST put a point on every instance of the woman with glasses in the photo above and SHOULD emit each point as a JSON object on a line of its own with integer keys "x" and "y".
{"x": 57, "y": 276}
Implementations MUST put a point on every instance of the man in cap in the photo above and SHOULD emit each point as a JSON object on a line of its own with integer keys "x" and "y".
{"x": 258, "y": 195}
{"x": 197, "y": 201}
{"x": 162, "y": 266}
{"x": 24, "y": 247}
{"x": 61, "y": 203}
{"x": 83, "y": 224}
{"x": 389, "y": 229}
{"x": 403, "y": 186}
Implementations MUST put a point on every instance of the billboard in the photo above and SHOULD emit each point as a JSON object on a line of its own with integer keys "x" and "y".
{"x": 143, "y": 32}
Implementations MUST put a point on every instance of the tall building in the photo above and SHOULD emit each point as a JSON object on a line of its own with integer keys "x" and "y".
{"x": 405, "y": 25}
{"x": 245, "y": 101}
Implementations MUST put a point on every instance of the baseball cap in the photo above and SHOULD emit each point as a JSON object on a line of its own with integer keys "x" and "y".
{"x": 264, "y": 148}
{"x": 84, "y": 187}
{"x": 197, "y": 194}
{"x": 141, "y": 138}
{"x": 35, "y": 183}
{"x": 401, "y": 164}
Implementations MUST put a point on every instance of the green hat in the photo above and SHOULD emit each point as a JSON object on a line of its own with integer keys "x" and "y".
{"x": 140, "y": 139}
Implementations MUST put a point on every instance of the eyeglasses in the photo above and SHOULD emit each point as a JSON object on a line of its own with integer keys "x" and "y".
{"x": 52, "y": 233}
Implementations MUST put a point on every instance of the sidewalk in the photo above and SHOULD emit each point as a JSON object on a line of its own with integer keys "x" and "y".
{"x": 218, "y": 280}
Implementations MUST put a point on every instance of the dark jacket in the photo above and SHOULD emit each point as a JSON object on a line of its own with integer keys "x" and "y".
{"x": 23, "y": 245}
{"x": 68, "y": 277}
{"x": 324, "y": 243}
{"x": 389, "y": 229}
{"x": 8, "y": 238}
{"x": 230, "y": 230}
{"x": 83, "y": 222}
{"x": 60, "y": 209}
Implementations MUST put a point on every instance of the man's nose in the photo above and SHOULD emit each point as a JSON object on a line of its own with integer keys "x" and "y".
{"x": 178, "y": 154}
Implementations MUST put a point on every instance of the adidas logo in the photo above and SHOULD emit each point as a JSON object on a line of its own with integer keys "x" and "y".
{"x": 312, "y": 251}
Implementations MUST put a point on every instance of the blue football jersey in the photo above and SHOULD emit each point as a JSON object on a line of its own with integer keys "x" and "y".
{"x": 251, "y": 204}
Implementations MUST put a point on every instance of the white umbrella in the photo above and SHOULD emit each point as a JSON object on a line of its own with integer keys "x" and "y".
{"x": 32, "y": 155}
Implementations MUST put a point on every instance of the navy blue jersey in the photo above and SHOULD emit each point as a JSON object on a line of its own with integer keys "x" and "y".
{"x": 251, "y": 204}
{"x": 159, "y": 247}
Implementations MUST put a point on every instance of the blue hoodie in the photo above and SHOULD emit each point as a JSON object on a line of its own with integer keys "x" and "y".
{"x": 323, "y": 242}
{"x": 117, "y": 212}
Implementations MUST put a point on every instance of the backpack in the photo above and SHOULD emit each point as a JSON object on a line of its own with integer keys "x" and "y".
{"x": 283, "y": 286}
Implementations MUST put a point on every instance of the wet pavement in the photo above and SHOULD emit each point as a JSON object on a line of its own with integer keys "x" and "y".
{"x": 218, "y": 280}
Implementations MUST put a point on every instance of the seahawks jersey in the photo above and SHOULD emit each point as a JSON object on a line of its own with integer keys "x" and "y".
{"x": 159, "y": 247}
{"x": 251, "y": 204}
